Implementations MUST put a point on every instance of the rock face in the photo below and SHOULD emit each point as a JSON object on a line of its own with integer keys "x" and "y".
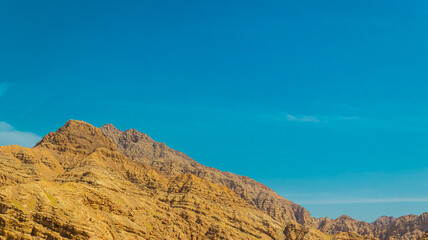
{"x": 141, "y": 148}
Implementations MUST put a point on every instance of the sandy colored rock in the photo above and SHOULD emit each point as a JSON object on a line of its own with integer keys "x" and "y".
{"x": 82, "y": 182}
{"x": 295, "y": 231}
{"x": 424, "y": 237}
{"x": 169, "y": 162}
{"x": 140, "y": 147}
{"x": 409, "y": 227}
{"x": 92, "y": 191}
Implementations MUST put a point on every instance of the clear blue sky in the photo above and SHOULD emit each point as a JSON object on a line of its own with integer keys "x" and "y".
{"x": 324, "y": 101}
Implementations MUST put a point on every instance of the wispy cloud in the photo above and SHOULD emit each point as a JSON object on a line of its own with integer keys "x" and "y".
{"x": 239, "y": 113}
{"x": 10, "y": 136}
{"x": 364, "y": 200}
{"x": 294, "y": 118}
{"x": 284, "y": 116}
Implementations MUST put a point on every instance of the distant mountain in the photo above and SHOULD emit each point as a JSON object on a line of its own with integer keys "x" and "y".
{"x": 83, "y": 182}
{"x": 409, "y": 227}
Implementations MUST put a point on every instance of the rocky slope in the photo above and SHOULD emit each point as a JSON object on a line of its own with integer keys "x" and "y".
{"x": 404, "y": 227}
{"x": 409, "y": 227}
{"x": 82, "y": 182}
{"x": 141, "y": 148}
{"x": 76, "y": 185}
{"x": 295, "y": 231}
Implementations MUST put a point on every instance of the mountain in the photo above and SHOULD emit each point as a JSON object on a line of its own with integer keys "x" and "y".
{"x": 83, "y": 182}
{"x": 75, "y": 184}
{"x": 141, "y": 148}
{"x": 409, "y": 227}
{"x": 295, "y": 231}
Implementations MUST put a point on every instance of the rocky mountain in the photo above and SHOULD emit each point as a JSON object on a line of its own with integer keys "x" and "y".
{"x": 75, "y": 184}
{"x": 404, "y": 227}
{"x": 296, "y": 231}
{"x": 141, "y": 148}
{"x": 83, "y": 182}
{"x": 409, "y": 227}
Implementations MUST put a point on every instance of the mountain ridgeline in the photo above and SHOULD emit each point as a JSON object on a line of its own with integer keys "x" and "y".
{"x": 83, "y": 182}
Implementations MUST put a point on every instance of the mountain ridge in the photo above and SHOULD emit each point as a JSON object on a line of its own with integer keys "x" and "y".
{"x": 82, "y": 183}
{"x": 97, "y": 192}
{"x": 137, "y": 146}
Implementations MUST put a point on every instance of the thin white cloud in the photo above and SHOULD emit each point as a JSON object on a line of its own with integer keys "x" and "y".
{"x": 294, "y": 118}
{"x": 283, "y": 116}
{"x": 364, "y": 200}
{"x": 10, "y": 136}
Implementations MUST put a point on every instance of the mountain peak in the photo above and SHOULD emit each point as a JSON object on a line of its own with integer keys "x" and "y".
{"x": 345, "y": 218}
{"x": 110, "y": 127}
{"x": 76, "y": 137}
{"x": 384, "y": 220}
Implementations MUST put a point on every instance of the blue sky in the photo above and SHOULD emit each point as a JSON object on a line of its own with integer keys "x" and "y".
{"x": 323, "y": 101}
